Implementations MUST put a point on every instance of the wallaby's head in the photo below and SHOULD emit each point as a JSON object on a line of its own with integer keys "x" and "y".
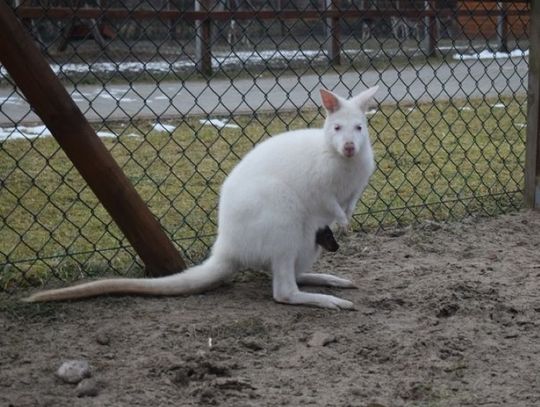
{"x": 345, "y": 127}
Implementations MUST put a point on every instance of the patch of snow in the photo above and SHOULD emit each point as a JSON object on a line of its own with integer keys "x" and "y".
{"x": 37, "y": 130}
{"x": 106, "y": 134}
{"x": 498, "y": 105}
{"x": 13, "y": 99}
{"x": 31, "y": 132}
{"x": 218, "y": 123}
{"x": 163, "y": 128}
{"x": 25, "y": 132}
{"x": 11, "y": 133}
{"x": 486, "y": 54}
{"x": 219, "y": 60}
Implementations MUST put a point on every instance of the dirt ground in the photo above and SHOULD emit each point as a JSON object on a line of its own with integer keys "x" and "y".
{"x": 447, "y": 315}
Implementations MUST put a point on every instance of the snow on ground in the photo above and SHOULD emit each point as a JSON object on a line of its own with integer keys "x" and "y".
{"x": 219, "y": 61}
{"x": 163, "y": 128}
{"x": 222, "y": 60}
{"x": 218, "y": 123}
{"x": 26, "y": 132}
{"x": 106, "y": 134}
{"x": 128, "y": 95}
{"x": 486, "y": 54}
{"x": 114, "y": 97}
{"x": 31, "y": 132}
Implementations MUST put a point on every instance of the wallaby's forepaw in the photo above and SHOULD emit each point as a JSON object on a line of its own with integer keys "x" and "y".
{"x": 343, "y": 229}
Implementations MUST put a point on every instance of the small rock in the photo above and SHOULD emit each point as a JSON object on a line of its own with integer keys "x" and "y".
{"x": 182, "y": 377}
{"x": 431, "y": 225}
{"x": 511, "y": 335}
{"x": 232, "y": 383}
{"x": 320, "y": 339}
{"x": 357, "y": 392}
{"x": 73, "y": 371}
{"x": 207, "y": 397}
{"x": 215, "y": 368}
{"x": 447, "y": 310}
{"x": 252, "y": 344}
{"x": 103, "y": 338}
{"x": 87, "y": 388}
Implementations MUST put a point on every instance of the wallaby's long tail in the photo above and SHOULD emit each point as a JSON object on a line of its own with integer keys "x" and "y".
{"x": 197, "y": 279}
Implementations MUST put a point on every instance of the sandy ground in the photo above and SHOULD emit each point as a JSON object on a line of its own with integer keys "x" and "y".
{"x": 447, "y": 315}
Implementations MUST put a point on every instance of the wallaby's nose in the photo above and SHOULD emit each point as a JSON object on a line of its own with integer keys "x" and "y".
{"x": 349, "y": 149}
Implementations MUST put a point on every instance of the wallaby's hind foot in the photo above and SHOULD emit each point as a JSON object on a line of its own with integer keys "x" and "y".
{"x": 286, "y": 290}
{"x": 314, "y": 300}
{"x": 327, "y": 280}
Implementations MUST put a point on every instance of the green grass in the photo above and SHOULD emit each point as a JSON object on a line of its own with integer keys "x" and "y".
{"x": 438, "y": 161}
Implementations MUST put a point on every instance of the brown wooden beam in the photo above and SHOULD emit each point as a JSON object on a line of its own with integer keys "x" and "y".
{"x": 532, "y": 152}
{"x": 117, "y": 13}
{"x": 50, "y": 100}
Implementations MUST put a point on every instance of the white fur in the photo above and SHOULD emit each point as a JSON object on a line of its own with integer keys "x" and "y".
{"x": 270, "y": 208}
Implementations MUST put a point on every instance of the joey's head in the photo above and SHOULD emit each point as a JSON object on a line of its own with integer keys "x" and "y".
{"x": 345, "y": 127}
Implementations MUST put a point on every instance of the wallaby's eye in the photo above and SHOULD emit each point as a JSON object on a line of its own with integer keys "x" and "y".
{"x": 359, "y": 128}
{"x": 337, "y": 127}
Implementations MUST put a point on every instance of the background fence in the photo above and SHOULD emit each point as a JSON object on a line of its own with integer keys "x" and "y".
{"x": 180, "y": 91}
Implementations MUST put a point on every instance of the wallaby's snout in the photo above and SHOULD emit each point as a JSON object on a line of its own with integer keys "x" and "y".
{"x": 349, "y": 149}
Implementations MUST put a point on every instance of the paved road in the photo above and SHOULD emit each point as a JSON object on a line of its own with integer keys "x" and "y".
{"x": 223, "y": 97}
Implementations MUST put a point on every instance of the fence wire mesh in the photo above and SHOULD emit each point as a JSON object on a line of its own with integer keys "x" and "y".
{"x": 179, "y": 91}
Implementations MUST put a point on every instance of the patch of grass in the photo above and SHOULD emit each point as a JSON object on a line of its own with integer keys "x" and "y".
{"x": 439, "y": 161}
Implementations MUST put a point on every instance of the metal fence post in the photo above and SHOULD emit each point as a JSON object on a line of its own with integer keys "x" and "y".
{"x": 532, "y": 154}
{"x": 45, "y": 93}
{"x": 203, "y": 36}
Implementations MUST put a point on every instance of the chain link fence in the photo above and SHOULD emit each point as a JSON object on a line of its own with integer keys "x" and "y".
{"x": 179, "y": 91}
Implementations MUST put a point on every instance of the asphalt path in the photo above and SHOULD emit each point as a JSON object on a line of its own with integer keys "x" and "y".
{"x": 229, "y": 97}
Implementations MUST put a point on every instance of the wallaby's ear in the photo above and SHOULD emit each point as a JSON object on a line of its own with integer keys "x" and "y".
{"x": 364, "y": 99}
{"x": 330, "y": 101}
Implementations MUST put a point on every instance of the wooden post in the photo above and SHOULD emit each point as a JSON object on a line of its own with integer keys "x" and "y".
{"x": 430, "y": 23}
{"x": 532, "y": 153}
{"x": 28, "y": 22}
{"x": 502, "y": 27}
{"x": 50, "y": 100}
{"x": 332, "y": 35}
{"x": 203, "y": 38}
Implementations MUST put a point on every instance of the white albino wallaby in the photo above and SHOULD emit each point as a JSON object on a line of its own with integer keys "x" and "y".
{"x": 271, "y": 206}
